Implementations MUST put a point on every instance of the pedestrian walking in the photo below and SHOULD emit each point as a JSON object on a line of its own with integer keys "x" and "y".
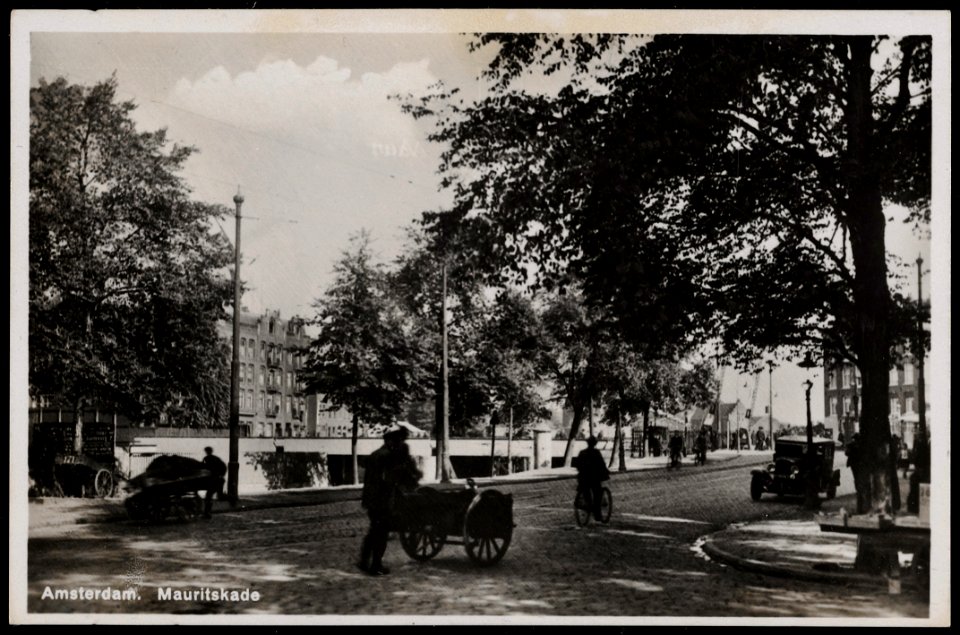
{"x": 700, "y": 448}
{"x": 676, "y": 449}
{"x": 218, "y": 470}
{"x": 591, "y": 473}
{"x": 389, "y": 469}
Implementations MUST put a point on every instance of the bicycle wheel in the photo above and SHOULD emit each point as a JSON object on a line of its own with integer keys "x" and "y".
{"x": 581, "y": 509}
{"x": 606, "y": 506}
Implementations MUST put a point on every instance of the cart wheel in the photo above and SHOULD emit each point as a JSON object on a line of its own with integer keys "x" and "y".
{"x": 157, "y": 510}
{"x": 187, "y": 508}
{"x": 756, "y": 489}
{"x": 103, "y": 483}
{"x": 423, "y": 542}
{"x": 581, "y": 509}
{"x": 606, "y": 506}
{"x": 488, "y": 527}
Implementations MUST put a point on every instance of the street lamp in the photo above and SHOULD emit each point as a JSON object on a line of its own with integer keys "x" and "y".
{"x": 812, "y": 497}
{"x": 923, "y": 464}
{"x": 770, "y": 427}
{"x": 233, "y": 461}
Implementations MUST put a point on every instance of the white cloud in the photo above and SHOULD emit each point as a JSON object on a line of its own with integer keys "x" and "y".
{"x": 315, "y": 104}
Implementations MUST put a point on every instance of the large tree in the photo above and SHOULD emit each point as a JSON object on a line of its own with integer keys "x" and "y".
{"x": 127, "y": 281}
{"x": 365, "y": 357}
{"x": 709, "y": 185}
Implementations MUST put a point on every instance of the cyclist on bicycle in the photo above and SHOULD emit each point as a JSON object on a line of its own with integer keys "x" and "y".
{"x": 591, "y": 473}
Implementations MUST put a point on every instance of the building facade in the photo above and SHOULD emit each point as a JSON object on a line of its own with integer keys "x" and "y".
{"x": 841, "y": 397}
{"x": 272, "y": 402}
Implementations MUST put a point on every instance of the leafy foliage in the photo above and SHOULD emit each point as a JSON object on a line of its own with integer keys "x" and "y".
{"x": 126, "y": 278}
{"x": 365, "y": 357}
{"x": 704, "y": 185}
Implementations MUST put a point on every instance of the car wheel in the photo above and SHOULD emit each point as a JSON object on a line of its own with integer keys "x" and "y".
{"x": 756, "y": 489}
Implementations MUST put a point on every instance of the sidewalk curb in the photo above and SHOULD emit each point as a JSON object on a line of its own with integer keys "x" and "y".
{"x": 722, "y": 556}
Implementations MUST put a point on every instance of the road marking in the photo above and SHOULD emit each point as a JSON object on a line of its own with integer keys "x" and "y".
{"x": 664, "y": 519}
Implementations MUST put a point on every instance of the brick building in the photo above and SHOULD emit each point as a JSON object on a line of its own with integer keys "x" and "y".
{"x": 841, "y": 397}
{"x": 272, "y": 403}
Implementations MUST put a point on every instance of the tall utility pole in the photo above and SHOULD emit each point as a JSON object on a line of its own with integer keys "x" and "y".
{"x": 770, "y": 429}
{"x": 443, "y": 449}
{"x": 812, "y": 494}
{"x": 233, "y": 464}
{"x": 924, "y": 464}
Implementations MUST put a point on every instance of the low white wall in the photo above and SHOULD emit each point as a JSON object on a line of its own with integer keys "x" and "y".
{"x": 144, "y": 449}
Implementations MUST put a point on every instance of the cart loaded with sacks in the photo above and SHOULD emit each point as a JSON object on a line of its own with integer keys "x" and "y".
{"x": 480, "y": 520}
{"x": 169, "y": 488}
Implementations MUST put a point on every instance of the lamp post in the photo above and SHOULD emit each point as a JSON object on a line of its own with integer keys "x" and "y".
{"x": 442, "y": 450}
{"x": 812, "y": 494}
{"x": 233, "y": 461}
{"x": 923, "y": 465}
{"x": 812, "y": 498}
{"x": 770, "y": 421}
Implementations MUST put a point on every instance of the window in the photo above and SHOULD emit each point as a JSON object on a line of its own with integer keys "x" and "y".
{"x": 289, "y": 379}
{"x": 846, "y": 376}
{"x": 243, "y": 346}
{"x": 263, "y": 375}
{"x": 831, "y": 379}
{"x": 833, "y": 406}
{"x": 263, "y": 349}
{"x": 909, "y": 405}
{"x": 908, "y": 373}
{"x": 261, "y": 402}
{"x": 894, "y": 378}
{"x": 289, "y": 406}
{"x": 894, "y": 406}
{"x": 847, "y": 408}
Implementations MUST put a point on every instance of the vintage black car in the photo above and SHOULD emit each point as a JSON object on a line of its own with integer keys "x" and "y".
{"x": 786, "y": 476}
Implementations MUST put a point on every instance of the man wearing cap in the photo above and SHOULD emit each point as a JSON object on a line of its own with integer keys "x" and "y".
{"x": 591, "y": 473}
{"x": 388, "y": 469}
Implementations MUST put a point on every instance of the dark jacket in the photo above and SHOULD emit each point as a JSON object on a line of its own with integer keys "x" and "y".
{"x": 386, "y": 472}
{"x": 591, "y": 467}
{"x": 216, "y": 466}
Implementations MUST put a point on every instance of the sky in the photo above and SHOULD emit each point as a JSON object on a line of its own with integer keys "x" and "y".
{"x": 300, "y": 118}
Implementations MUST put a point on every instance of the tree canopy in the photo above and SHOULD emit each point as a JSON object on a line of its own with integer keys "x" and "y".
{"x": 127, "y": 280}
{"x": 704, "y": 186}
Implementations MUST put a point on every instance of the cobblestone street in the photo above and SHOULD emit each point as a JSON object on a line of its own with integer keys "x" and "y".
{"x": 301, "y": 561}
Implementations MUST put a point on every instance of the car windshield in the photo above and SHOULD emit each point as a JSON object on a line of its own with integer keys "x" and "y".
{"x": 790, "y": 450}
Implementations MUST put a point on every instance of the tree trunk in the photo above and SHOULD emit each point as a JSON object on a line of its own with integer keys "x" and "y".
{"x": 644, "y": 440}
{"x": 574, "y": 429}
{"x": 509, "y": 441}
{"x": 493, "y": 445}
{"x": 621, "y": 451}
{"x": 354, "y": 469}
{"x": 864, "y": 212}
{"x": 78, "y": 427}
{"x": 616, "y": 439}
